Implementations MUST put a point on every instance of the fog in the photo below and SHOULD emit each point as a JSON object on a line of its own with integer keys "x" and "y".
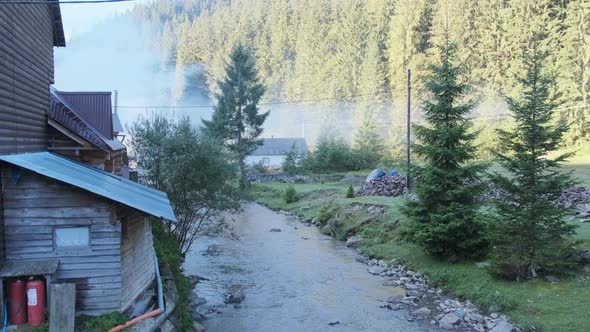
{"x": 117, "y": 55}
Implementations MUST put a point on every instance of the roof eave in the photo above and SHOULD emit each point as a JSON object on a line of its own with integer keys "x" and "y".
{"x": 59, "y": 39}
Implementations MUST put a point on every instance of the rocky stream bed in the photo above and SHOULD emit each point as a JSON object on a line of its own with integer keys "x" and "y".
{"x": 283, "y": 274}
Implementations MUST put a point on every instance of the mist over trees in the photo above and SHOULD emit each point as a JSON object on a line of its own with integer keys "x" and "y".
{"x": 359, "y": 50}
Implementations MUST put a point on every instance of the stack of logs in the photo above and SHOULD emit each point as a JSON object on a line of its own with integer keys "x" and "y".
{"x": 390, "y": 186}
{"x": 579, "y": 197}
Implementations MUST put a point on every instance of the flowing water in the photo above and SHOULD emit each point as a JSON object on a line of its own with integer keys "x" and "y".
{"x": 294, "y": 280}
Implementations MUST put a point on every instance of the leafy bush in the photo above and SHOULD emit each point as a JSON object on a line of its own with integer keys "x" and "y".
{"x": 334, "y": 155}
{"x": 293, "y": 162}
{"x": 291, "y": 195}
{"x": 193, "y": 169}
{"x": 325, "y": 213}
{"x": 350, "y": 192}
{"x": 259, "y": 168}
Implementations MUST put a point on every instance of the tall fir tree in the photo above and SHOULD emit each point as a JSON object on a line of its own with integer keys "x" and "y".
{"x": 444, "y": 219}
{"x": 574, "y": 66}
{"x": 236, "y": 119}
{"x": 530, "y": 233}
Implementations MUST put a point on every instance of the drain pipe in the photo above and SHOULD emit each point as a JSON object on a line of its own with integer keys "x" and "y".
{"x": 150, "y": 314}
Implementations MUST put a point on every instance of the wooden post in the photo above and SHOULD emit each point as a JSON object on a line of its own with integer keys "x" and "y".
{"x": 408, "y": 133}
{"x": 63, "y": 308}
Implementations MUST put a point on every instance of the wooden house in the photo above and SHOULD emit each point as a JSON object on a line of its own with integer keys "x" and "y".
{"x": 74, "y": 223}
{"x": 28, "y": 34}
{"x": 273, "y": 151}
{"x": 82, "y": 126}
{"x": 60, "y": 218}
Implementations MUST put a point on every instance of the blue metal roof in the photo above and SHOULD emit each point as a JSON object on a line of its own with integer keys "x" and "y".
{"x": 110, "y": 186}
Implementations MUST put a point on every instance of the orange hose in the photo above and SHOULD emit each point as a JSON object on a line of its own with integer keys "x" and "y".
{"x": 135, "y": 320}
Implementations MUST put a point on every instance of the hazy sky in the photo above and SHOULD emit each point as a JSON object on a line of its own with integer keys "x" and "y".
{"x": 79, "y": 18}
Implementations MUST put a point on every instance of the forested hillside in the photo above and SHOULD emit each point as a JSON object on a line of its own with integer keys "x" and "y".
{"x": 359, "y": 50}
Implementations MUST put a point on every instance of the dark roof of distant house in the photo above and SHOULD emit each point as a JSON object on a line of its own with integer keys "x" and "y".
{"x": 280, "y": 146}
{"x": 59, "y": 38}
{"x": 94, "y": 180}
{"x": 88, "y": 114}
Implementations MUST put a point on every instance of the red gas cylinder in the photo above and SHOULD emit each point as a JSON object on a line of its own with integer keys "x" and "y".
{"x": 17, "y": 310}
{"x": 36, "y": 302}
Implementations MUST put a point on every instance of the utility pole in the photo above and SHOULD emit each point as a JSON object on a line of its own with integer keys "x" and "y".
{"x": 116, "y": 101}
{"x": 408, "y": 132}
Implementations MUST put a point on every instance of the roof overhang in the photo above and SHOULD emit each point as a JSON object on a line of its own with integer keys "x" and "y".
{"x": 59, "y": 38}
{"x": 96, "y": 181}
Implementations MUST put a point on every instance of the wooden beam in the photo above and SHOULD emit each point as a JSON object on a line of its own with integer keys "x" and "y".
{"x": 73, "y": 136}
{"x": 63, "y": 308}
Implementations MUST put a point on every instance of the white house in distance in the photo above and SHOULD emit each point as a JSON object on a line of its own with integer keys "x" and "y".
{"x": 273, "y": 151}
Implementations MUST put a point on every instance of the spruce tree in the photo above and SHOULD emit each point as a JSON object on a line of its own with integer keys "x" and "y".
{"x": 236, "y": 118}
{"x": 443, "y": 219}
{"x": 529, "y": 233}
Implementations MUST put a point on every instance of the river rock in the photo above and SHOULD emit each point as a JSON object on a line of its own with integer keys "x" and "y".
{"x": 213, "y": 250}
{"x": 275, "y": 230}
{"x": 376, "y": 270}
{"x": 354, "y": 241}
{"x": 502, "y": 326}
{"x": 335, "y": 322}
{"x": 449, "y": 321}
{"x": 552, "y": 279}
{"x": 235, "y": 295}
{"x": 422, "y": 312}
{"x": 475, "y": 318}
{"x": 398, "y": 294}
{"x": 198, "y": 327}
{"x": 196, "y": 301}
{"x": 167, "y": 326}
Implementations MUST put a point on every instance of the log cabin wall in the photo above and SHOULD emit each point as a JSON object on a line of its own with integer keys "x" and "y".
{"x": 137, "y": 257}
{"x": 26, "y": 71}
{"x": 36, "y": 206}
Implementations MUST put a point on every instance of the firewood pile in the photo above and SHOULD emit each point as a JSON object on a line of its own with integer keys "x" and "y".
{"x": 575, "y": 196}
{"x": 390, "y": 186}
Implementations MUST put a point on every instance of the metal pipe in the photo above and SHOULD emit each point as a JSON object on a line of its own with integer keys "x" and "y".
{"x": 151, "y": 313}
{"x": 159, "y": 283}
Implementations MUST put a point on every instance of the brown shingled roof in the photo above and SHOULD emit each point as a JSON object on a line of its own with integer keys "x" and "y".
{"x": 87, "y": 114}
{"x": 94, "y": 107}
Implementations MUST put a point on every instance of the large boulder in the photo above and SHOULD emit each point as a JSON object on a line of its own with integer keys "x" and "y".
{"x": 449, "y": 321}
{"x": 502, "y": 326}
{"x": 354, "y": 241}
{"x": 375, "y": 175}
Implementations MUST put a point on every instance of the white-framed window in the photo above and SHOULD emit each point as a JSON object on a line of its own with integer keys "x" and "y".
{"x": 72, "y": 237}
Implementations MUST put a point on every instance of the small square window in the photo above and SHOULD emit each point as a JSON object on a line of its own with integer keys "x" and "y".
{"x": 72, "y": 237}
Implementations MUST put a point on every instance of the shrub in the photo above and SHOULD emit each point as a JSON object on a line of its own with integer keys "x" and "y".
{"x": 350, "y": 192}
{"x": 334, "y": 155}
{"x": 325, "y": 213}
{"x": 291, "y": 195}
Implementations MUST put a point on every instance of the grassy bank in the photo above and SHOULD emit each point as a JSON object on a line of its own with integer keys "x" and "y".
{"x": 563, "y": 306}
{"x": 169, "y": 253}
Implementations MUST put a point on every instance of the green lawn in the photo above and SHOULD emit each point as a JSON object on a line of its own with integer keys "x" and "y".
{"x": 564, "y": 306}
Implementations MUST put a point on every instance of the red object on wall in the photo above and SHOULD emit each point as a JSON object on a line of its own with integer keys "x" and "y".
{"x": 17, "y": 306}
{"x": 36, "y": 302}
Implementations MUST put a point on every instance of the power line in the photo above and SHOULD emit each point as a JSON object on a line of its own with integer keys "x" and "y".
{"x": 48, "y": 2}
{"x": 262, "y": 104}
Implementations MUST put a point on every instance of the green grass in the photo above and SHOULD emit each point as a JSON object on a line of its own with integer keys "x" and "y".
{"x": 168, "y": 252}
{"x": 564, "y": 306}
{"x": 101, "y": 323}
